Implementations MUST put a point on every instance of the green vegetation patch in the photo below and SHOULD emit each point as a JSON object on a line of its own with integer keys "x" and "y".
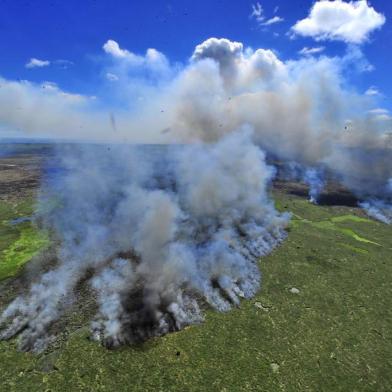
{"x": 333, "y": 224}
{"x": 18, "y": 242}
{"x": 355, "y": 249}
{"x": 30, "y": 242}
{"x": 353, "y": 218}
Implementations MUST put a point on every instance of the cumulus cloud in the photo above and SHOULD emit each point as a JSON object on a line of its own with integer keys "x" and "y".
{"x": 240, "y": 69}
{"x": 338, "y": 20}
{"x": 222, "y": 50}
{"x": 152, "y": 55}
{"x": 310, "y": 51}
{"x": 112, "y": 47}
{"x": 153, "y": 60}
{"x": 37, "y": 63}
{"x": 142, "y": 76}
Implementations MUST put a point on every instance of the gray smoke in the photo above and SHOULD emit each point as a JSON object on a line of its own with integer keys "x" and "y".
{"x": 164, "y": 231}
{"x": 378, "y": 209}
{"x": 314, "y": 179}
{"x": 180, "y": 227}
{"x": 311, "y": 176}
{"x": 301, "y": 110}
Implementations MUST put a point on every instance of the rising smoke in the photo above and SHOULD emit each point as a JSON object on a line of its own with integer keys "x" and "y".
{"x": 161, "y": 231}
{"x": 159, "y": 242}
{"x": 301, "y": 111}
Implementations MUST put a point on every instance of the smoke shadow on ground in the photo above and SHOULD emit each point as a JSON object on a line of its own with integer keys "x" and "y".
{"x": 345, "y": 199}
{"x": 333, "y": 195}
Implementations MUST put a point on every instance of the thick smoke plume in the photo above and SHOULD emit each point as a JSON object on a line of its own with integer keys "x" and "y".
{"x": 162, "y": 230}
{"x": 302, "y": 111}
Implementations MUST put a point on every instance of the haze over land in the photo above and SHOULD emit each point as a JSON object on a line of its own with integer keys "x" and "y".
{"x": 184, "y": 225}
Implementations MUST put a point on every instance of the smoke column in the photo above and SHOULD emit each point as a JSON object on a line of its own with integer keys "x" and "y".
{"x": 160, "y": 243}
{"x": 161, "y": 231}
{"x": 302, "y": 111}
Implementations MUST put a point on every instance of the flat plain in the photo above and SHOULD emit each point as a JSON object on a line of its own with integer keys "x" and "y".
{"x": 322, "y": 320}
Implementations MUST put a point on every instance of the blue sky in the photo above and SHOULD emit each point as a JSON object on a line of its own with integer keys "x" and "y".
{"x": 75, "y": 31}
{"x": 66, "y": 38}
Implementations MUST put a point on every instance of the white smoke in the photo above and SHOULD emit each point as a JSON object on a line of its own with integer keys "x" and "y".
{"x": 378, "y": 209}
{"x": 313, "y": 177}
{"x": 316, "y": 184}
{"x": 174, "y": 238}
{"x": 300, "y": 112}
{"x": 179, "y": 227}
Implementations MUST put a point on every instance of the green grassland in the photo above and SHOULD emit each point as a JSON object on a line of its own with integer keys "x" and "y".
{"x": 322, "y": 321}
{"x": 18, "y": 242}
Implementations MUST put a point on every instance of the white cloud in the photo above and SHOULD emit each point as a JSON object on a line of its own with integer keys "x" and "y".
{"x": 153, "y": 59}
{"x": 338, "y": 20}
{"x": 111, "y": 77}
{"x": 240, "y": 67}
{"x": 113, "y": 48}
{"x": 372, "y": 91}
{"x": 221, "y": 49}
{"x": 36, "y": 63}
{"x": 310, "y": 51}
{"x": 273, "y": 20}
{"x": 258, "y": 15}
{"x": 257, "y": 12}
